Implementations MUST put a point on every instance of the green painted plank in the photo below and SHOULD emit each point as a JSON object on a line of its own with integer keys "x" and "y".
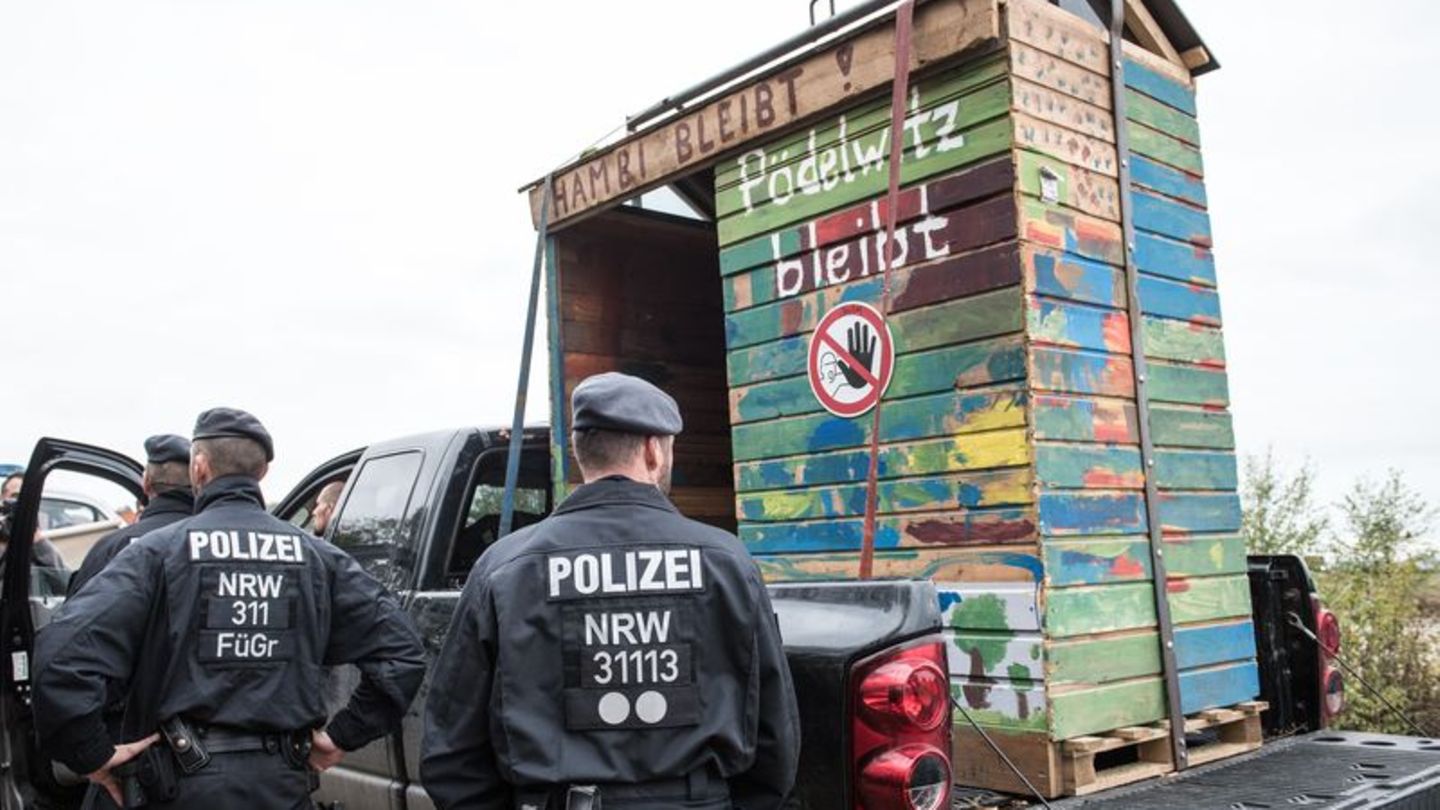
{"x": 1199, "y": 599}
{"x": 1085, "y": 419}
{"x": 776, "y": 338}
{"x": 1162, "y": 148}
{"x": 969, "y": 490}
{"x": 1079, "y": 372}
{"x": 1167, "y": 119}
{"x": 976, "y": 451}
{"x": 947, "y": 413}
{"x": 1167, "y": 339}
{"x": 1195, "y": 469}
{"x": 1094, "y": 193}
{"x": 1188, "y": 385}
{"x": 971, "y": 365}
{"x": 1205, "y": 556}
{"x": 1177, "y": 426}
{"x": 1099, "y": 609}
{"x": 1103, "y": 659}
{"x": 1096, "y": 561}
{"x": 1187, "y": 512}
{"x": 1105, "y": 708}
{"x": 1075, "y": 466}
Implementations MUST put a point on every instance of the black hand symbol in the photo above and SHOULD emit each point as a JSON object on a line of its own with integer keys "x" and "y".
{"x": 861, "y": 345}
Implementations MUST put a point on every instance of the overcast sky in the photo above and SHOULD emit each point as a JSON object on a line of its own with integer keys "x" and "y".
{"x": 308, "y": 209}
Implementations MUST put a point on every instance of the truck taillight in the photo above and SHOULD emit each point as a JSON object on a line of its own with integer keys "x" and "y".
{"x": 1332, "y": 682}
{"x": 900, "y": 729}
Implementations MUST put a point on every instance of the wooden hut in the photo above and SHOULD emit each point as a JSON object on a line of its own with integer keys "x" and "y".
{"x": 1030, "y": 461}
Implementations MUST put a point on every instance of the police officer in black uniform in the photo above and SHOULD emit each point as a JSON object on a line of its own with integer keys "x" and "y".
{"x": 615, "y": 651}
{"x": 220, "y": 626}
{"x": 168, "y": 498}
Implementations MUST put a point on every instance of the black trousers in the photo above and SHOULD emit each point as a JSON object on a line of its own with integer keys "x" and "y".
{"x": 249, "y": 780}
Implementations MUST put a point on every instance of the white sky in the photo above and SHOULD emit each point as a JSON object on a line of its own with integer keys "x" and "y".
{"x": 307, "y": 208}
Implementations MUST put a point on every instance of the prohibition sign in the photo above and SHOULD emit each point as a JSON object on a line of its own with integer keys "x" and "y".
{"x": 852, "y": 358}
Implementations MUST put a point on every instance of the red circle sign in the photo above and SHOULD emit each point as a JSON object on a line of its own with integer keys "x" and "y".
{"x": 852, "y": 357}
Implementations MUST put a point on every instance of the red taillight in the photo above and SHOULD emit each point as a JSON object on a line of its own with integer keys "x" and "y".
{"x": 900, "y": 729}
{"x": 1332, "y": 683}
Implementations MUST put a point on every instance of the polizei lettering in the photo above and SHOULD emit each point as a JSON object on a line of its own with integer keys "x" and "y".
{"x": 616, "y": 573}
{"x": 230, "y": 544}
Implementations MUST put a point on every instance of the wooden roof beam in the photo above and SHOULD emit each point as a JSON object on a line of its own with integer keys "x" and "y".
{"x": 1148, "y": 33}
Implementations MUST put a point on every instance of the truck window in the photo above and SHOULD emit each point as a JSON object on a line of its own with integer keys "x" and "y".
{"x": 371, "y": 524}
{"x": 482, "y": 522}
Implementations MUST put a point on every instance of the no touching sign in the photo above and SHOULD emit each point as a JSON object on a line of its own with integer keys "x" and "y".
{"x": 852, "y": 357}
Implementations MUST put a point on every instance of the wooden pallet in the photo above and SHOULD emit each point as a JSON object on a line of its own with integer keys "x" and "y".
{"x": 1238, "y": 729}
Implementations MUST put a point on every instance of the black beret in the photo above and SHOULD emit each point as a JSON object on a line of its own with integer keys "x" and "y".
{"x": 619, "y": 402}
{"x": 167, "y": 447}
{"x": 232, "y": 422}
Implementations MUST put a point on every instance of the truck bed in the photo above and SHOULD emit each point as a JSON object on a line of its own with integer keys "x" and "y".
{"x": 1320, "y": 770}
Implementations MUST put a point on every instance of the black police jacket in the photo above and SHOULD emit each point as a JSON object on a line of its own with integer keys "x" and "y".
{"x": 614, "y": 642}
{"x": 163, "y": 509}
{"x": 228, "y": 617}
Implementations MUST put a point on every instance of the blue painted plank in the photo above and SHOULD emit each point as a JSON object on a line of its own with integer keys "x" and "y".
{"x": 1193, "y": 512}
{"x": 1187, "y": 302}
{"x": 1167, "y": 180}
{"x": 1159, "y": 87}
{"x": 1171, "y": 218}
{"x": 1087, "y": 513}
{"x": 1065, "y": 275}
{"x": 1202, "y": 689}
{"x": 1181, "y": 261}
{"x": 966, "y": 527}
{"x": 1206, "y": 645}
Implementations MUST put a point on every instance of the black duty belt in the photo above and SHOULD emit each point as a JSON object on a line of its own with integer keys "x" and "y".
{"x": 702, "y": 783}
{"x": 193, "y": 744}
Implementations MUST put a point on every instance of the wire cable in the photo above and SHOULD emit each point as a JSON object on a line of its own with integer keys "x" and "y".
{"x": 1415, "y": 727}
{"x": 999, "y": 753}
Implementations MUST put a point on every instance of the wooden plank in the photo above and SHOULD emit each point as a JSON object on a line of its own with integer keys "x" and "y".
{"x": 1099, "y": 609}
{"x": 998, "y": 654}
{"x": 913, "y": 203}
{"x": 1180, "y": 261}
{"x": 1185, "y": 512}
{"x": 993, "y": 606}
{"x": 1195, "y": 58}
{"x": 971, "y": 365}
{"x": 1059, "y": 323}
{"x": 1179, "y": 426}
{"x": 912, "y": 286}
{"x": 1063, "y": 275}
{"x": 1098, "y": 709}
{"x": 1147, "y": 173}
{"x": 1182, "y": 341}
{"x": 1078, "y": 466}
{"x": 1091, "y": 513}
{"x": 770, "y": 198}
{"x": 1057, "y": 181}
{"x": 1148, "y": 32}
{"x": 1195, "y": 469}
{"x": 1091, "y": 561}
{"x": 1161, "y": 117}
{"x": 1075, "y": 148}
{"x": 1061, "y": 109}
{"x": 1066, "y": 230}
{"x": 976, "y": 451}
{"x": 1089, "y": 660}
{"x": 975, "y": 527}
{"x": 1060, "y": 33}
{"x": 1199, "y": 599}
{"x": 1223, "y": 685}
{"x": 1011, "y": 705}
{"x": 769, "y": 104}
{"x": 967, "y": 490}
{"x": 950, "y": 413}
{"x": 1145, "y": 76}
{"x": 977, "y": 765}
{"x": 1164, "y": 149}
{"x": 1078, "y": 372}
{"x": 1204, "y": 555}
{"x": 1187, "y": 384}
{"x": 949, "y": 564}
{"x": 1171, "y": 299}
{"x": 1171, "y": 218}
{"x": 1055, "y": 73}
{"x": 1085, "y": 419}
{"x": 1209, "y": 644}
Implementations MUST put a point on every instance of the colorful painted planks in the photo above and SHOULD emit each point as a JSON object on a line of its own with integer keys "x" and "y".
{"x": 960, "y": 491}
{"x": 807, "y": 540}
{"x": 978, "y": 451}
{"x": 943, "y": 565}
{"x": 1128, "y": 703}
{"x": 1135, "y": 654}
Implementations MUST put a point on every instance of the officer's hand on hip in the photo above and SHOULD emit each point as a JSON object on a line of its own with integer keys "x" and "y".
{"x": 124, "y": 752}
{"x": 324, "y": 753}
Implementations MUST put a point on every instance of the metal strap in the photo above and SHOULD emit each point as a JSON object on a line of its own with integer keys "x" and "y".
{"x": 1169, "y": 667}
{"x": 517, "y": 425}
{"x": 904, "y": 17}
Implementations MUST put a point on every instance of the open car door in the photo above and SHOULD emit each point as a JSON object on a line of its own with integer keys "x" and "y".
{"x": 29, "y": 594}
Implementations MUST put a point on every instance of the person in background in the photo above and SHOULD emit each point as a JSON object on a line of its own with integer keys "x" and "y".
{"x": 42, "y": 552}
{"x": 325, "y": 504}
{"x": 10, "y": 490}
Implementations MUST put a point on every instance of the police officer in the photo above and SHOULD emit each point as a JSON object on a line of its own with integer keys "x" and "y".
{"x": 166, "y": 483}
{"x": 221, "y": 625}
{"x": 615, "y": 651}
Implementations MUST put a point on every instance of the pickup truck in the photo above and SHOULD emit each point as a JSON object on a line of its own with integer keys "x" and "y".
{"x": 867, "y": 657}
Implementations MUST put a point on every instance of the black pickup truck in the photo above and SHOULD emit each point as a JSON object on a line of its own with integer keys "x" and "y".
{"x": 867, "y": 657}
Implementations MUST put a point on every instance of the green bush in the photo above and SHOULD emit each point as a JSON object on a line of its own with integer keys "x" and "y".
{"x": 1373, "y": 571}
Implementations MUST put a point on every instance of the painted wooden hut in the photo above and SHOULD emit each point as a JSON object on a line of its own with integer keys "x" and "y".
{"x": 1056, "y": 429}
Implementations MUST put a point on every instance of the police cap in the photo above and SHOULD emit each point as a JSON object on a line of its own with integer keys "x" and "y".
{"x": 619, "y": 402}
{"x": 167, "y": 448}
{"x": 219, "y": 423}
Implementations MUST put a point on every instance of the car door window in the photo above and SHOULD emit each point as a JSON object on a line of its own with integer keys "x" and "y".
{"x": 372, "y": 526}
{"x": 482, "y": 524}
